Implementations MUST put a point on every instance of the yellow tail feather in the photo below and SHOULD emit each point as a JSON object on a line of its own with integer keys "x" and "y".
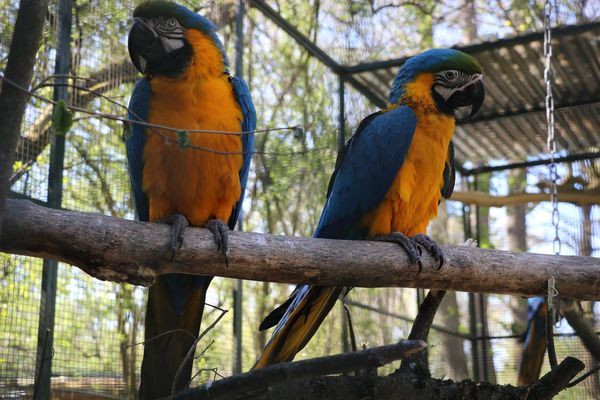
{"x": 300, "y": 327}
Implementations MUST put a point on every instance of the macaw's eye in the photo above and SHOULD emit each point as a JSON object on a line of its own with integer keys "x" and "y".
{"x": 450, "y": 75}
{"x": 172, "y": 23}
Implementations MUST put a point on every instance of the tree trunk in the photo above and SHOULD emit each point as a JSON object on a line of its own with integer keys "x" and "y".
{"x": 517, "y": 241}
{"x": 455, "y": 361}
{"x": 453, "y": 346}
{"x": 468, "y": 22}
{"x": 19, "y": 71}
{"x": 585, "y": 243}
{"x": 261, "y": 312}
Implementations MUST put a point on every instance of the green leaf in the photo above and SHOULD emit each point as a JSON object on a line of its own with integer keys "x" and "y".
{"x": 183, "y": 138}
{"x": 62, "y": 118}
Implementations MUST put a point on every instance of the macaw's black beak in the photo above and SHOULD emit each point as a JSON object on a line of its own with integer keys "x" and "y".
{"x": 145, "y": 47}
{"x": 471, "y": 96}
{"x": 476, "y": 92}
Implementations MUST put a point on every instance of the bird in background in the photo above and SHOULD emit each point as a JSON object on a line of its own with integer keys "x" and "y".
{"x": 387, "y": 183}
{"x": 534, "y": 346}
{"x": 187, "y": 86}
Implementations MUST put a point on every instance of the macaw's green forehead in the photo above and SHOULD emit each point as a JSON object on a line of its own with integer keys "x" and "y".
{"x": 436, "y": 60}
{"x": 167, "y": 9}
{"x": 157, "y": 8}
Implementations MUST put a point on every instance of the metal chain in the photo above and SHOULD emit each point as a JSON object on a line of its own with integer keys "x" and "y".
{"x": 556, "y": 244}
{"x": 550, "y": 300}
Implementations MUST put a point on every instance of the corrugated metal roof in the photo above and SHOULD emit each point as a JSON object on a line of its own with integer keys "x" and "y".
{"x": 512, "y": 122}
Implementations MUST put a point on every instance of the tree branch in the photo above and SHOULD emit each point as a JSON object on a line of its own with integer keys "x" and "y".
{"x": 118, "y": 250}
{"x": 589, "y": 197}
{"x": 244, "y": 385}
{"x": 583, "y": 327}
{"x": 411, "y": 386}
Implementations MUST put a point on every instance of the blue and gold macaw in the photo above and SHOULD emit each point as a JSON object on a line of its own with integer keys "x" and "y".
{"x": 388, "y": 181}
{"x": 186, "y": 86}
{"x": 534, "y": 346}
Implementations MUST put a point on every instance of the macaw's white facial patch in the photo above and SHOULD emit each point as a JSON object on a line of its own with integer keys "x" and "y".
{"x": 143, "y": 63}
{"x": 171, "y": 44}
{"x": 463, "y": 113}
{"x": 446, "y": 88}
{"x": 443, "y": 91}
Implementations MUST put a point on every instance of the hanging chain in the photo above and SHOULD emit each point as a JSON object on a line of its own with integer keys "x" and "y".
{"x": 550, "y": 300}
{"x": 550, "y": 125}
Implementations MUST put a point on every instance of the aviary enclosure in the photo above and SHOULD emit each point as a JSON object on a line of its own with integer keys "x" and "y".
{"x": 323, "y": 66}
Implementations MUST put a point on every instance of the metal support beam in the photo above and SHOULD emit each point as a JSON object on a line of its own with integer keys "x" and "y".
{"x": 237, "y": 326}
{"x": 342, "y": 115}
{"x": 45, "y": 339}
{"x": 495, "y": 44}
{"x": 527, "y": 164}
{"x": 238, "y": 291}
{"x": 592, "y": 104}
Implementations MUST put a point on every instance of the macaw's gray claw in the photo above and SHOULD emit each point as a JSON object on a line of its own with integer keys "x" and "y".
{"x": 431, "y": 246}
{"x": 178, "y": 224}
{"x": 220, "y": 232}
{"x": 412, "y": 248}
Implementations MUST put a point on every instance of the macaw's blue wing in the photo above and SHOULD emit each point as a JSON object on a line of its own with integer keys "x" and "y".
{"x": 135, "y": 139}
{"x": 244, "y": 99}
{"x": 535, "y": 341}
{"x": 365, "y": 170}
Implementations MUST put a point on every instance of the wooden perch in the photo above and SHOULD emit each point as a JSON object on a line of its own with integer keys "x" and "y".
{"x": 403, "y": 385}
{"x": 243, "y": 385}
{"x": 487, "y": 200}
{"x": 119, "y": 250}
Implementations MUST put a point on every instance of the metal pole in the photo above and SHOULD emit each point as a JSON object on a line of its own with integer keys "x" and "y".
{"x": 468, "y": 231}
{"x": 45, "y": 340}
{"x": 342, "y": 114}
{"x": 345, "y": 333}
{"x": 237, "y": 292}
{"x": 341, "y": 141}
{"x": 479, "y": 304}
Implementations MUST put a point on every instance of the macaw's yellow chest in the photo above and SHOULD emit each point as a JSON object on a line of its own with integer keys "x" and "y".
{"x": 199, "y": 182}
{"x": 412, "y": 200}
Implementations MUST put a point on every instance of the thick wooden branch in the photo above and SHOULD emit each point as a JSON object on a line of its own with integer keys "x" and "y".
{"x": 245, "y": 385}
{"x": 403, "y": 385}
{"x": 118, "y": 250}
{"x": 484, "y": 199}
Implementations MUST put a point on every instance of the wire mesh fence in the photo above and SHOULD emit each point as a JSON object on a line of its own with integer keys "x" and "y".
{"x": 98, "y": 329}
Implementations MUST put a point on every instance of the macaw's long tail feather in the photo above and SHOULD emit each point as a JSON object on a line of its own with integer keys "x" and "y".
{"x": 308, "y": 308}
{"x": 276, "y": 315}
{"x": 174, "y": 302}
{"x": 535, "y": 342}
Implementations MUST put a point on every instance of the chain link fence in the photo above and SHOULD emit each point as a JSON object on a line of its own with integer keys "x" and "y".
{"x": 98, "y": 326}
